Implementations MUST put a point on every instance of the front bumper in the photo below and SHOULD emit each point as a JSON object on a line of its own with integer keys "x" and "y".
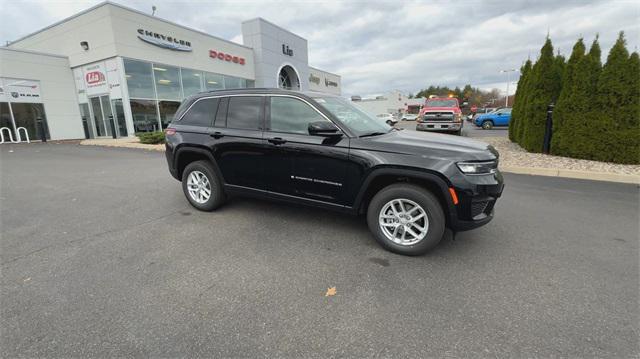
{"x": 477, "y": 196}
{"x": 439, "y": 126}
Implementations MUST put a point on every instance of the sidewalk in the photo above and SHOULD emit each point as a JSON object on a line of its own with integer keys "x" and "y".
{"x": 514, "y": 159}
{"x": 128, "y": 142}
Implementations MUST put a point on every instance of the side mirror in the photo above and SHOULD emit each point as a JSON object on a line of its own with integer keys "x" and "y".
{"x": 323, "y": 128}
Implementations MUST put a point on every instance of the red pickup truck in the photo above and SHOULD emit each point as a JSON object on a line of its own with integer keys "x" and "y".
{"x": 441, "y": 115}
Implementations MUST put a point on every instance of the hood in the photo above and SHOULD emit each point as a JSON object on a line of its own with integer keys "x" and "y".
{"x": 431, "y": 144}
{"x": 436, "y": 109}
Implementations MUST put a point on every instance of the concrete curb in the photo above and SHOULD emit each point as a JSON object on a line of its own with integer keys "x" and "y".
{"x": 122, "y": 144}
{"x": 588, "y": 175}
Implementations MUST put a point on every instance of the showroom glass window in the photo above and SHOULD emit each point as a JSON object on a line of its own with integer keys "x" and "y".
{"x": 167, "y": 82}
{"x": 292, "y": 115}
{"x": 231, "y": 82}
{"x": 167, "y": 111}
{"x": 139, "y": 79}
{"x": 213, "y": 81}
{"x": 145, "y": 115}
{"x": 27, "y": 115}
{"x": 244, "y": 112}
{"x": 191, "y": 82}
{"x": 156, "y": 90}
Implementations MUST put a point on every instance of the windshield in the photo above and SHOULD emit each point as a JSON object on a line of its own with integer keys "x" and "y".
{"x": 359, "y": 122}
{"x": 442, "y": 103}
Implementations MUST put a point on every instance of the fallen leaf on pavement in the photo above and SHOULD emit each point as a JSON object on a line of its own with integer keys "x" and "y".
{"x": 330, "y": 292}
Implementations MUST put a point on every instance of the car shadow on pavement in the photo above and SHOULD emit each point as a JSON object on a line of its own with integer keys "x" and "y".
{"x": 277, "y": 221}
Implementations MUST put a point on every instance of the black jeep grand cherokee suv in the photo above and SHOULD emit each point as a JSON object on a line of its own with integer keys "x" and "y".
{"x": 320, "y": 150}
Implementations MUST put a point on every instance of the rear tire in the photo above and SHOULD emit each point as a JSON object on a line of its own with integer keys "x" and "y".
{"x": 202, "y": 186}
{"x": 397, "y": 233}
{"x": 487, "y": 125}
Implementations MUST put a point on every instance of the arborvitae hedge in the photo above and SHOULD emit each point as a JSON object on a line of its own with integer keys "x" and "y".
{"x": 543, "y": 89}
{"x": 519, "y": 99}
{"x": 617, "y": 109}
{"x": 565, "y": 108}
{"x": 598, "y": 108}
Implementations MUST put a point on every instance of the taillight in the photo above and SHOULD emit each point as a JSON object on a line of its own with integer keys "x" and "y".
{"x": 170, "y": 131}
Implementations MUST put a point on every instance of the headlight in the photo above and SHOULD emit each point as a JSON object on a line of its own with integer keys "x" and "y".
{"x": 478, "y": 168}
{"x": 457, "y": 117}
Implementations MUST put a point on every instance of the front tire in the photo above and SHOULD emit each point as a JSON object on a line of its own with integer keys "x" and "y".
{"x": 487, "y": 125}
{"x": 202, "y": 186}
{"x": 406, "y": 219}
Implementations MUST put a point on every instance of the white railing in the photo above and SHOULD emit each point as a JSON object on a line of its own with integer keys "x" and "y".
{"x": 2, "y": 140}
{"x": 19, "y": 138}
{"x": 26, "y": 134}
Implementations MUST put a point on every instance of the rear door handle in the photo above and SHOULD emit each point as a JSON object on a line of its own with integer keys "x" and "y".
{"x": 217, "y": 134}
{"x": 277, "y": 140}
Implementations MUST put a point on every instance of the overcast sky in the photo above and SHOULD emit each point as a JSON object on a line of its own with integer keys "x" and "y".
{"x": 380, "y": 46}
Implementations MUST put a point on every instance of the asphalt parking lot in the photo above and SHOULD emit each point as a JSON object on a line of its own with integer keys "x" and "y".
{"x": 101, "y": 255}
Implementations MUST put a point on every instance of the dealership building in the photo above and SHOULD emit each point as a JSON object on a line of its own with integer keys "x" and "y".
{"x": 114, "y": 69}
{"x": 394, "y": 102}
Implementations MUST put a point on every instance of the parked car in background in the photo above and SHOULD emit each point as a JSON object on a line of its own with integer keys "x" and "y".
{"x": 499, "y": 117}
{"x": 388, "y": 118}
{"x": 409, "y": 117}
{"x": 441, "y": 115}
{"x": 482, "y": 111}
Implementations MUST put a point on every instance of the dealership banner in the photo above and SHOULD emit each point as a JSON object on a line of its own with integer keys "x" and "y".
{"x": 19, "y": 90}
{"x": 95, "y": 79}
{"x": 78, "y": 76}
{"x": 113, "y": 79}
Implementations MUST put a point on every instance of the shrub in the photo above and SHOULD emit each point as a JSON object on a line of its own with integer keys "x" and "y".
{"x": 543, "y": 88}
{"x": 151, "y": 138}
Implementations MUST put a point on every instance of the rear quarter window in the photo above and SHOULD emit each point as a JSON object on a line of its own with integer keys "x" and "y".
{"x": 201, "y": 114}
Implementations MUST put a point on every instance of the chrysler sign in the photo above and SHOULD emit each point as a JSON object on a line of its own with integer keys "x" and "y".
{"x": 168, "y": 42}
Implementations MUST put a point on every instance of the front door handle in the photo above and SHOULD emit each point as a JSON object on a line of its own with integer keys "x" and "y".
{"x": 277, "y": 140}
{"x": 217, "y": 135}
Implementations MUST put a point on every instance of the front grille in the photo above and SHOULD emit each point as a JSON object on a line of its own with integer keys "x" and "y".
{"x": 478, "y": 208}
{"x": 482, "y": 207}
{"x": 438, "y": 116}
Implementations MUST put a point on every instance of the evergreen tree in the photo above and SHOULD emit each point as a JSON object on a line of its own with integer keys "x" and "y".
{"x": 565, "y": 107}
{"x": 526, "y": 90}
{"x": 616, "y": 111}
{"x": 518, "y": 101}
{"x": 581, "y": 126}
{"x": 543, "y": 89}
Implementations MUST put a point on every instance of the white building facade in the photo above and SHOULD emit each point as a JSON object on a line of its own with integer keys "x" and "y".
{"x": 394, "y": 102}
{"x": 131, "y": 70}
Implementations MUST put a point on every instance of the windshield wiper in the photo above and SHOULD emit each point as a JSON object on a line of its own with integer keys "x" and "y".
{"x": 373, "y": 134}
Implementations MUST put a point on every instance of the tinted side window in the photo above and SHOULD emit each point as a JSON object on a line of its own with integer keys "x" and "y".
{"x": 201, "y": 113}
{"x": 244, "y": 112}
{"x": 292, "y": 115}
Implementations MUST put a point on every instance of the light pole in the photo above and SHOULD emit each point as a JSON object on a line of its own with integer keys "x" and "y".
{"x": 509, "y": 71}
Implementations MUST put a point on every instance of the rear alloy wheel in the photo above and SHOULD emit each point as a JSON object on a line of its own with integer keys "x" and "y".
{"x": 406, "y": 219}
{"x": 202, "y": 186}
{"x": 487, "y": 125}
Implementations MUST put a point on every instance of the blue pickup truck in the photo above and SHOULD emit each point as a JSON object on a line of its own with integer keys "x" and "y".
{"x": 499, "y": 117}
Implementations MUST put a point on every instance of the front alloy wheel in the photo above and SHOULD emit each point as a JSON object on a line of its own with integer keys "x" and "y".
{"x": 406, "y": 219}
{"x": 403, "y": 221}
